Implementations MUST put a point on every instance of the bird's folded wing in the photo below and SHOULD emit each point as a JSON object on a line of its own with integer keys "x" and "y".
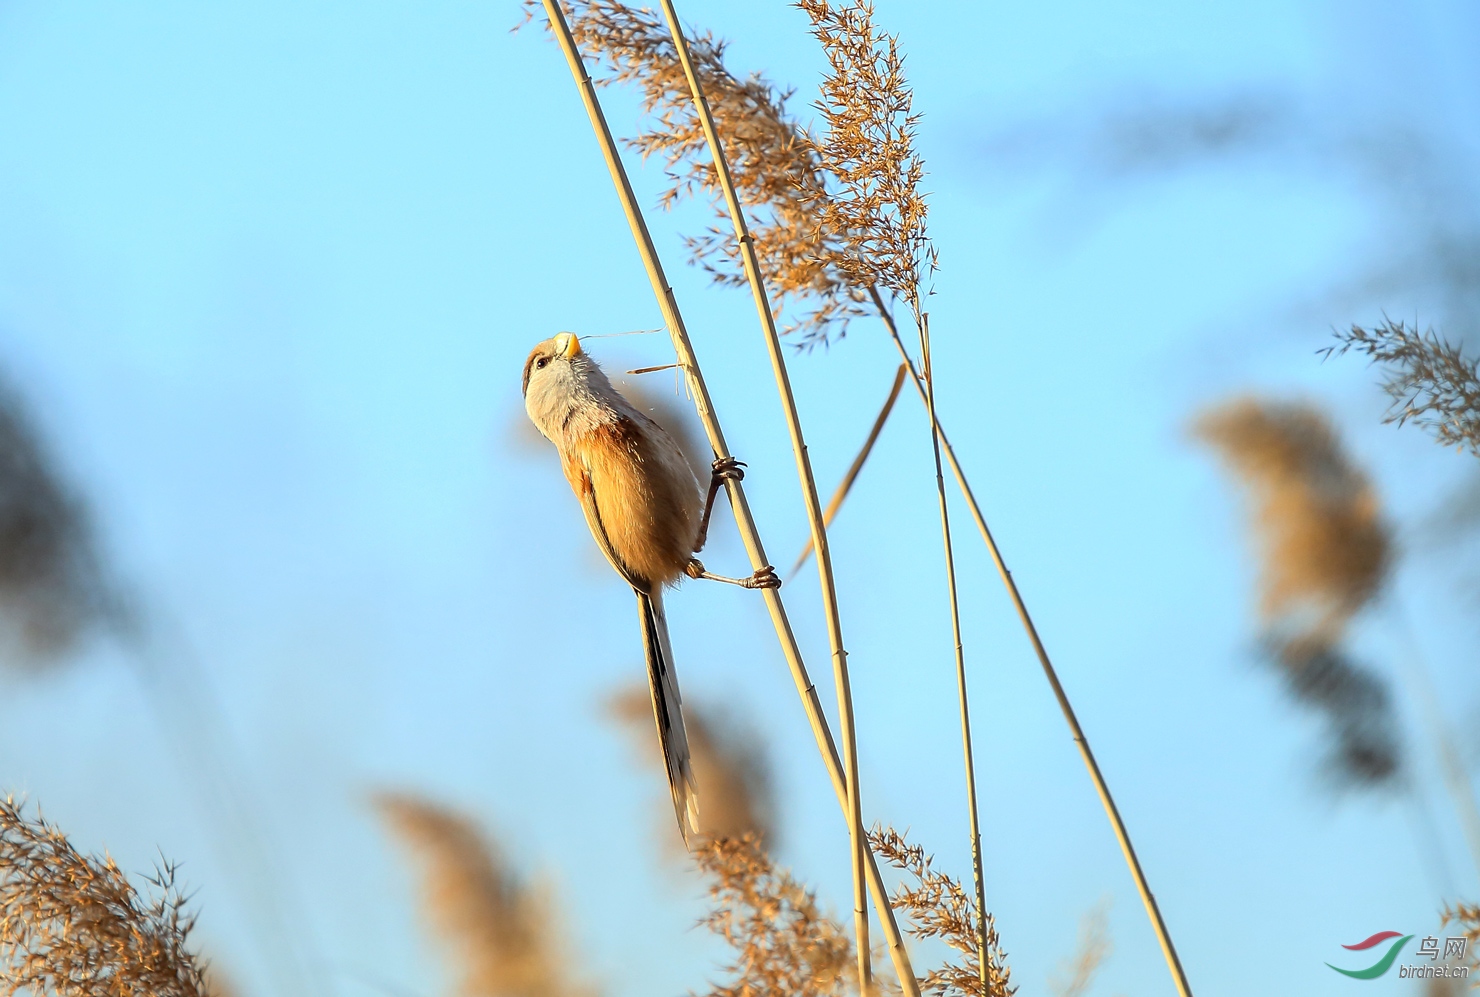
{"x": 580, "y": 481}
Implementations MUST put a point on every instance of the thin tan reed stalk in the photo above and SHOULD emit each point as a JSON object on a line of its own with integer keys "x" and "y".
{"x": 963, "y": 703}
{"x": 1102, "y": 788}
{"x": 749, "y": 534}
{"x": 869, "y": 147}
{"x": 846, "y": 485}
{"x": 74, "y": 926}
{"x": 809, "y": 492}
{"x": 1451, "y": 762}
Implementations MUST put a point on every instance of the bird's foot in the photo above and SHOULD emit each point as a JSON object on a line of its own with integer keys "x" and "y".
{"x": 765, "y": 578}
{"x": 723, "y": 469}
{"x": 728, "y": 469}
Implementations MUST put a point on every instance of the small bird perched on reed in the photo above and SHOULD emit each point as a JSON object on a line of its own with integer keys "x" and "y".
{"x": 645, "y": 509}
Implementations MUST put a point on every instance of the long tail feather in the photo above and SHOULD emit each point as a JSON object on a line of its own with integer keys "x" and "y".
{"x": 668, "y": 714}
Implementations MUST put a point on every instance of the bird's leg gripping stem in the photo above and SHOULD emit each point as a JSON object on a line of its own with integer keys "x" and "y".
{"x": 765, "y": 578}
{"x": 725, "y": 469}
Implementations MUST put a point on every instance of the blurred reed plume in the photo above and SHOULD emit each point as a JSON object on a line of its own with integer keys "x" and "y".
{"x": 51, "y": 588}
{"x": 72, "y": 925}
{"x": 1416, "y": 181}
{"x": 1431, "y": 382}
{"x": 736, "y": 797}
{"x": 54, "y": 587}
{"x": 784, "y": 943}
{"x": 1075, "y": 977}
{"x": 937, "y": 906}
{"x": 501, "y": 932}
{"x": 1325, "y": 552}
{"x": 1326, "y": 549}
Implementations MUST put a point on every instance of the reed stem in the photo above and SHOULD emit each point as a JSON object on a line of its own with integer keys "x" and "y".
{"x": 808, "y": 481}
{"x": 744, "y": 520}
{"x": 846, "y": 485}
{"x": 923, "y": 323}
{"x": 1153, "y": 911}
{"x": 1451, "y": 762}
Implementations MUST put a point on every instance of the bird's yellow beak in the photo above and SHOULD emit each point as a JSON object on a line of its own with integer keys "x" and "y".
{"x": 567, "y": 345}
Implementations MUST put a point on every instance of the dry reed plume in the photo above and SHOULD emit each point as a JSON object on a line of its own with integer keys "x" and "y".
{"x": 835, "y": 220}
{"x": 1431, "y": 382}
{"x": 775, "y": 163}
{"x": 831, "y": 218}
{"x": 1466, "y": 917}
{"x": 869, "y": 147}
{"x": 50, "y": 585}
{"x": 501, "y": 932}
{"x": 784, "y": 943}
{"x": 1325, "y": 552}
{"x": 735, "y": 792}
{"x": 73, "y": 926}
{"x": 937, "y": 906}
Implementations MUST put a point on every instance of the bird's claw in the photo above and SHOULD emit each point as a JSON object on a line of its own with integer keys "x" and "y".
{"x": 765, "y": 578}
{"x": 729, "y": 469}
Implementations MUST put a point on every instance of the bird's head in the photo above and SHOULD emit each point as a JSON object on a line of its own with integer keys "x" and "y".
{"x": 558, "y": 378}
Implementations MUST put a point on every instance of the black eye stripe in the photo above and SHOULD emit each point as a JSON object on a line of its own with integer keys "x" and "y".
{"x": 535, "y": 360}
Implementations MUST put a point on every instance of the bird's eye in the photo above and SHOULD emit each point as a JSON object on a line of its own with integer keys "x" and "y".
{"x": 540, "y": 363}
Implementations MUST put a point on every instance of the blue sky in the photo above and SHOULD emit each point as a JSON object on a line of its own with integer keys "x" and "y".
{"x": 267, "y": 276}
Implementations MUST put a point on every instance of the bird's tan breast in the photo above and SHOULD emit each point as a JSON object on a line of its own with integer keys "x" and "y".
{"x": 645, "y": 493}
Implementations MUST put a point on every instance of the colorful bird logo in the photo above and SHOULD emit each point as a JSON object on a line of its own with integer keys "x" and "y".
{"x": 1382, "y": 965}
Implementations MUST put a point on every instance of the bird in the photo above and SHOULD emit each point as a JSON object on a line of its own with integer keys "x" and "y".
{"x": 646, "y": 510}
